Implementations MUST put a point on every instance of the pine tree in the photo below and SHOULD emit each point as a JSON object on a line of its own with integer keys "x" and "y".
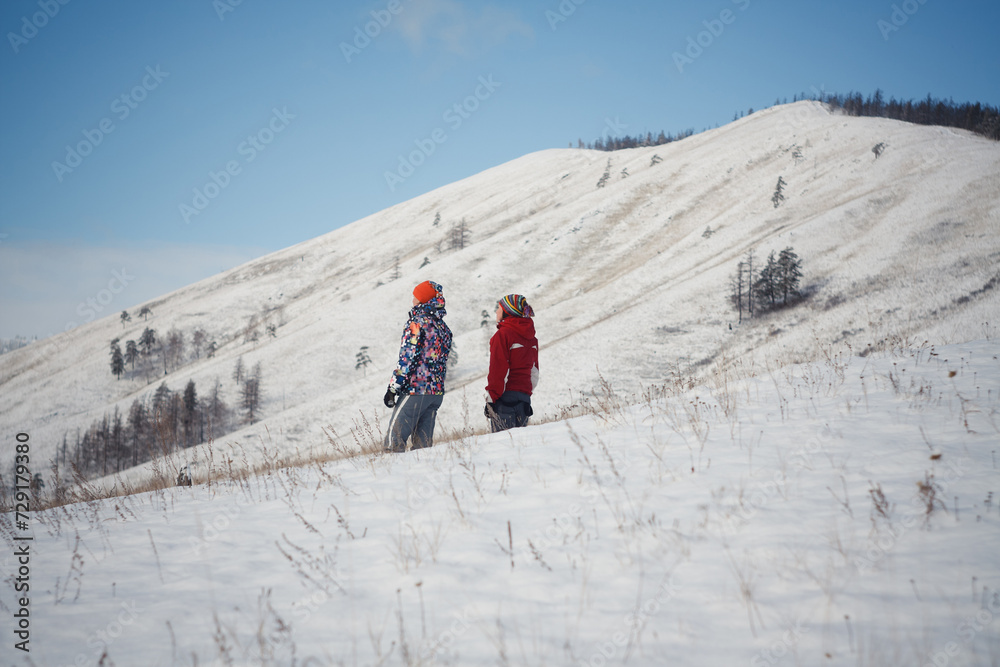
{"x": 605, "y": 176}
{"x": 362, "y": 359}
{"x": 790, "y": 272}
{"x": 251, "y": 393}
{"x": 779, "y": 195}
{"x": 117, "y": 438}
{"x": 146, "y": 343}
{"x": 137, "y": 427}
{"x": 437, "y": 219}
{"x": 191, "y": 415}
{"x": 125, "y": 317}
{"x": 117, "y": 360}
{"x": 765, "y": 289}
{"x": 145, "y": 312}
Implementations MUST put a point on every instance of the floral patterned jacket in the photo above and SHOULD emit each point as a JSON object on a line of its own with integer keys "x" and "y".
{"x": 424, "y": 349}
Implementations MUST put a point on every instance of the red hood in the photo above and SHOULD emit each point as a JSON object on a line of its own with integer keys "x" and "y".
{"x": 522, "y": 326}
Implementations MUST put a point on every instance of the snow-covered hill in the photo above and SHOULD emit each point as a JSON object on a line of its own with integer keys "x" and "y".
{"x": 626, "y": 283}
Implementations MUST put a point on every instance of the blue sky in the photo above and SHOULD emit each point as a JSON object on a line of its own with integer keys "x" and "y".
{"x": 170, "y": 141}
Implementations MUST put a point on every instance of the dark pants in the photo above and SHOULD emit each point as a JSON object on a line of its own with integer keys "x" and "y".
{"x": 511, "y": 410}
{"x": 412, "y": 419}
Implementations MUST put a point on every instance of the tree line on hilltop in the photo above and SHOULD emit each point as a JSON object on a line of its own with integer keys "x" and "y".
{"x": 977, "y": 117}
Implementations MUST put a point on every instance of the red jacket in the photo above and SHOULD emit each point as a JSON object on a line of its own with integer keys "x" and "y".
{"x": 513, "y": 358}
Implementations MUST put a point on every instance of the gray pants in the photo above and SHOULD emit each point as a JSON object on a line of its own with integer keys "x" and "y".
{"x": 412, "y": 419}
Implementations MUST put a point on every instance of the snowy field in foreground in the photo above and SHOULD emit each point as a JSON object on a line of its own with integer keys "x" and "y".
{"x": 731, "y": 523}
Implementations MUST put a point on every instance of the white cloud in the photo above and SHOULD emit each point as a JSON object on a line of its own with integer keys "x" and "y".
{"x": 47, "y": 288}
{"x": 457, "y": 29}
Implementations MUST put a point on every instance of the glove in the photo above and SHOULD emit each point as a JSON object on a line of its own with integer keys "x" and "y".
{"x": 390, "y": 397}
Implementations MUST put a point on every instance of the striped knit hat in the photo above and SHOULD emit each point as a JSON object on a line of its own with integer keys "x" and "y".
{"x": 516, "y": 305}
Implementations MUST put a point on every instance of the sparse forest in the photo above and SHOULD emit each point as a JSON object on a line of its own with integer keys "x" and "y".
{"x": 162, "y": 422}
{"x": 755, "y": 289}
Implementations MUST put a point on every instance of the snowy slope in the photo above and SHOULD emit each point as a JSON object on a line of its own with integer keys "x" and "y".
{"x": 731, "y": 523}
{"x": 624, "y": 281}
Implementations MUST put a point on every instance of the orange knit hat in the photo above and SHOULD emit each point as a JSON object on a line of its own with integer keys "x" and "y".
{"x": 425, "y": 291}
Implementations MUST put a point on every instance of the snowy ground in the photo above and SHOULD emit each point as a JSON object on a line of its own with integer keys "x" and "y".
{"x": 731, "y": 522}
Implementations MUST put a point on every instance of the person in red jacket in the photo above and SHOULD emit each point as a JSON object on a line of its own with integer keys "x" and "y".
{"x": 513, "y": 372}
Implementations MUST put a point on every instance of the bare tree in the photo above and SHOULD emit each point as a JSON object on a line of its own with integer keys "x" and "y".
{"x": 198, "y": 342}
{"x": 738, "y": 288}
{"x": 238, "y": 371}
{"x": 131, "y": 353}
{"x": 459, "y": 236}
{"x": 751, "y": 276}
{"x": 175, "y": 348}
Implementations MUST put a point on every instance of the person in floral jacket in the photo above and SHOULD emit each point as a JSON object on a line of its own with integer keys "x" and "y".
{"x": 417, "y": 387}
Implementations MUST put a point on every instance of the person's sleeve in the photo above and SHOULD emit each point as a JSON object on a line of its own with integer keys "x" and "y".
{"x": 496, "y": 379}
{"x": 534, "y": 369}
{"x": 408, "y": 348}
